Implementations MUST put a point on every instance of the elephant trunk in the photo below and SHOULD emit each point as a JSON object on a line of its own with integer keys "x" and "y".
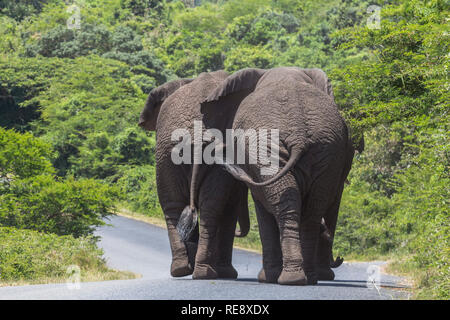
{"x": 188, "y": 218}
{"x": 241, "y": 175}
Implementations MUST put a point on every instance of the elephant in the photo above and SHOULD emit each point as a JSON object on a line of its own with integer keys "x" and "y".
{"x": 220, "y": 198}
{"x": 316, "y": 152}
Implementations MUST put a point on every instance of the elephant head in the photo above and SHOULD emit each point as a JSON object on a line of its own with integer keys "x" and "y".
{"x": 155, "y": 99}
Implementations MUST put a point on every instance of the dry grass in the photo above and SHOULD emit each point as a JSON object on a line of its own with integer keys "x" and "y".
{"x": 89, "y": 276}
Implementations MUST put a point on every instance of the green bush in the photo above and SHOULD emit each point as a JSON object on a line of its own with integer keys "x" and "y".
{"x": 31, "y": 197}
{"x": 411, "y": 221}
{"x": 32, "y": 255}
{"x": 19, "y": 9}
{"x": 23, "y": 156}
{"x": 138, "y": 187}
{"x": 71, "y": 206}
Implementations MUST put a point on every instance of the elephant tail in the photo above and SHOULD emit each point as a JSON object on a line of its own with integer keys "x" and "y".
{"x": 189, "y": 217}
{"x": 241, "y": 175}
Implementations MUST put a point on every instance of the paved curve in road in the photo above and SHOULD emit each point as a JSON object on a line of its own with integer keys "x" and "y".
{"x": 143, "y": 248}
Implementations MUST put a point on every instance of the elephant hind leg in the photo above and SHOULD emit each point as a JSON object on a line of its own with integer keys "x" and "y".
{"x": 321, "y": 205}
{"x": 183, "y": 253}
{"x": 293, "y": 272}
{"x": 226, "y": 233}
{"x": 216, "y": 227}
{"x": 270, "y": 239}
{"x": 283, "y": 197}
{"x": 325, "y": 259}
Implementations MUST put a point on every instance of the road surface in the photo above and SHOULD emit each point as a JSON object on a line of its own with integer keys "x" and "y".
{"x": 144, "y": 249}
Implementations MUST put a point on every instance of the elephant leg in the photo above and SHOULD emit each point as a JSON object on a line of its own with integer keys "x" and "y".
{"x": 183, "y": 253}
{"x": 283, "y": 197}
{"x": 320, "y": 204}
{"x": 174, "y": 196}
{"x": 293, "y": 272}
{"x": 213, "y": 197}
{"x": 206, "y": 258}
{"x": 310, "y": 229}
{"x": 226, "y": 231}
{"x": 270, "y": 239}
{"x": 325, "y": 259}
{"x": 325, "y": 249}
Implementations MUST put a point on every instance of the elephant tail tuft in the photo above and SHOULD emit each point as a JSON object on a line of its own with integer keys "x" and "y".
{"x": 187, "y": 223}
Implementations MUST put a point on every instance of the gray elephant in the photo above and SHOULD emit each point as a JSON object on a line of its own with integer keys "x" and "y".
{"x": 220, "y": 198}
{"x": 316, "y": 154}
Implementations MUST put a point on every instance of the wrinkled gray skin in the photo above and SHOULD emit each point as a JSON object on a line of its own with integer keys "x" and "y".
{"x": 315, "y": 156}
{"x": 219, "y": 198}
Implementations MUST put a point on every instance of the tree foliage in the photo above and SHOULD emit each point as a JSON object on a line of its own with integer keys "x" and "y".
{"x": 31, "y": 197}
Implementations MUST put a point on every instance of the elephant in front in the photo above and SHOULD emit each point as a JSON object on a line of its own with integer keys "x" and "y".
{"x": 220, "y": 198}
{"x": 315, "y": 153}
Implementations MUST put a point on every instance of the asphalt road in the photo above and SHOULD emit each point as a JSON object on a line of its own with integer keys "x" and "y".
{"x": 144, "y": 249}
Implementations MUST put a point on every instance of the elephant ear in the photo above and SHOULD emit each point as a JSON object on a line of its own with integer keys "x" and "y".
{"x": 245, "y": 79}
{"x": 154, "y": 101}
{"x": 320, "y": 80}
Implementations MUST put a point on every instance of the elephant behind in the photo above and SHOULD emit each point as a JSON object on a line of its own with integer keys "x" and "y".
{"x": 316, "y": 155}
{"x": 220, "y": 199}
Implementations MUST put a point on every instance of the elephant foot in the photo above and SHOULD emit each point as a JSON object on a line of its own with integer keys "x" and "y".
{"x": 293, "y": 277}
{"x": 204, "y": 272}
{"x": 325, "y": 274}
{"x": 226, "y": 272}
{"x": 271, "y": 276}
{"x": 180, "y": 268}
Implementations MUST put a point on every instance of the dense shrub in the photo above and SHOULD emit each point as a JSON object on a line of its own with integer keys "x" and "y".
{"x": 138, "y": 187}
{"x": 31, "y": 197}
{"x": 67, "y": 207}
{"x": 23, "y": 156}
{"x": 19, "y": 9}
{"x": 31, "y": 255}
